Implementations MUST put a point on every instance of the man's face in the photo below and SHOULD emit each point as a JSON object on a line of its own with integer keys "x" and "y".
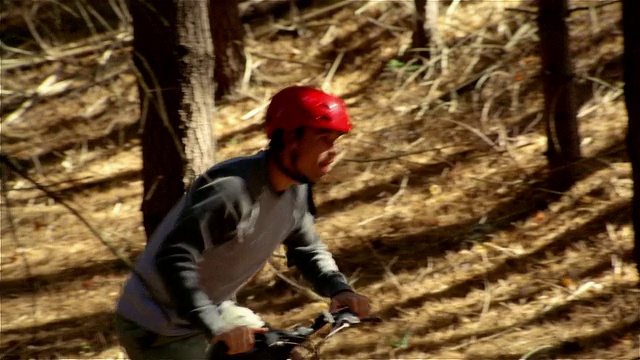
{"x": 316, "y": 151}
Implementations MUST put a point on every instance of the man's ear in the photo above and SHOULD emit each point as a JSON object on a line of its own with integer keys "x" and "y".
{"x": 291, "y": 139}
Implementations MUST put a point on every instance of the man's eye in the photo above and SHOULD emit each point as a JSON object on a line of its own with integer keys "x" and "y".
{"x": 329, "y": 140}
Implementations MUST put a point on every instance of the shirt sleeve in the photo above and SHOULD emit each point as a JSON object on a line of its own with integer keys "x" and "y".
{"x": 307, "y": 252}
{"x": 211, "y": 218}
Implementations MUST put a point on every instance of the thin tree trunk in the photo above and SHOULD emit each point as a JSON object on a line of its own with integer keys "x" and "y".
{"x": 158, "y": 84}
{"x": 228, "y": 41}
{"x": 563, "y": 139}
{"x": 173, "y": 57}
{"x": 631, "y": 29}
{"x": 424, "y": 21}
{"x": 197, "y": 68}
{"x": 419, "y": 37}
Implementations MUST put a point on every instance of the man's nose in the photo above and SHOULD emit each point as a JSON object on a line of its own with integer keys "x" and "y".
{"x": 335, "y": 149}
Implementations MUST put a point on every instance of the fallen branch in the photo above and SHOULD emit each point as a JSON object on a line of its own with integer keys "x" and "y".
{"x": 101, "y": 43}
{"x": 401, "y": 154}
{"x": 308, "y": 16}
{"x": 332, "y": 71}
{"x": 310, "y": 294}
{"x": 294, "y": 61}
{"x": 477, "y": 132}
{"x": 14, "y": 236}
{"x": 6, "y": 160}
{"x": 535, "y": 351}
{"x": 599, "y": 5}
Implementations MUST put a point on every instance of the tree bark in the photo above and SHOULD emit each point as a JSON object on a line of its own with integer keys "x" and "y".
{"x": 173, "y": 58}
{"x": 253, "y": 9}
{"x": 228, "y": 40}
{"x": 419, "y": 36}
{"x": 197, "y": 81}
{"x": 631, "y": 59}
{"x": 563, "y": 139}
{"x": 422, "y": 28}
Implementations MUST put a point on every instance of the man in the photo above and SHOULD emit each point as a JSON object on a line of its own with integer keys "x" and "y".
{"x": 225, "y": 228}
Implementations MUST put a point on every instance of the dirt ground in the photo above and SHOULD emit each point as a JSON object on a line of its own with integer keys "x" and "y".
{"x": 437, "y": 209}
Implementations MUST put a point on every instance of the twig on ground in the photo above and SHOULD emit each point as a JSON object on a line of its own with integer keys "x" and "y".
{"x": 354, "y": 277}
{"x": 425, "y": 271}
{"x": 248, "y": 69}
{"x": 584, "y": 288}
{"x": 527, "y": 11}
{"x": 391, "y": 28}
{"x": 406, "y": 312}
{"x": 525, "y": 30}
{"x": 401, "y": 190}
{"x": 8, "y": 48}
{"x": 308, "y": 16}
{"x": 378, "y": 258}
{"x": 535, "y": 351}
{"x": 599, "y": 5}
{"x": 534, "y": 11}
{"x": 310, "y": 294}
{"x": 487, "y": 287}
{"x": 477, "y": 132}
{"x": 6, "y": 160}
{"x": 14, "y": 236}
{"x": 34, "y": 32}
{"x": 392, "y": 277}
{"x": 476, "y": 58}
{"x": 254, "y": 112}
{"x": 412, "y": 77}
{"x": 120, "y": 13}
{"x": 97, "y": 15}
{"x": 450, "y": 10}
{"x": 332, "y": 71}
{"x": 373, "y": 218}
{"x": 276, "y": 58}
{"x": 70, "y": 50}
{"x": 364, "y": 8}
{"x": 474, "y": 341}
{"x": 508, "y": 251}
{"x": 87, "y": 19}
{"x": 17, "y": 114}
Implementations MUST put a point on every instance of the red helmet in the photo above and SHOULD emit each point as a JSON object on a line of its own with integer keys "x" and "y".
{"x": 298, "y": 106}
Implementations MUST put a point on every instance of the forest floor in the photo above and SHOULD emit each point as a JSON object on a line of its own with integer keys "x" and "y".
{"x": 437, "y": 209}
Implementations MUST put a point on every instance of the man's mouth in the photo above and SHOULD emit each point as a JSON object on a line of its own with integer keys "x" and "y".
{"x": 325, "y": 165}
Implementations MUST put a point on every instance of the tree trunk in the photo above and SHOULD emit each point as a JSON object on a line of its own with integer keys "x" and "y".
{"x": 563, "y": 139}
{"x": 631, "y": 29}
{"x": 422, "y": 27}
{"x": 173, "y": 58}
{"x": 197, "y": 81}
{"x": 254, "y": 9}
{"x": 228, "y": 41}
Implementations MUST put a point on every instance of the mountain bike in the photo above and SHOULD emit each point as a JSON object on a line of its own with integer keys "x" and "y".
{"x": 278, "y": 344}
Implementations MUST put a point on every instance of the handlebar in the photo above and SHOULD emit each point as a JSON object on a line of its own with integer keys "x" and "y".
{"x": 281, "y": 341}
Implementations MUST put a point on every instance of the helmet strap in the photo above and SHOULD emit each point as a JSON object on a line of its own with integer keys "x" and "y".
{"x": 293, "y": 174}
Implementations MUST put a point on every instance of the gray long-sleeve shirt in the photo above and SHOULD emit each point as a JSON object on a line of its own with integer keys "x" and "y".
{"x": 214, "y": 240}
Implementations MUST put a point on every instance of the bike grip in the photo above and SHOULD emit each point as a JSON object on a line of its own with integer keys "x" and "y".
{"x": 219, "y": 347}
{"x": 263, "y": 340}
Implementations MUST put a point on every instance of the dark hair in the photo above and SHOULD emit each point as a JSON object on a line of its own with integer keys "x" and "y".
{"x": 277, "y": 139}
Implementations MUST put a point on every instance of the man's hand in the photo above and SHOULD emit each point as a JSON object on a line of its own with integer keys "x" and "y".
{"x": 358, "y": 304}
{"x": 239, "y": 339}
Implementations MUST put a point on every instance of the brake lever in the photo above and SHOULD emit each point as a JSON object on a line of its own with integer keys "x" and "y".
{"x": 346, "y": 319}
{"x": 280, "y": 337}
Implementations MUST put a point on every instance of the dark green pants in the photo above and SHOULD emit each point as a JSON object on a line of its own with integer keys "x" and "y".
{"x": 141, "y": 344}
